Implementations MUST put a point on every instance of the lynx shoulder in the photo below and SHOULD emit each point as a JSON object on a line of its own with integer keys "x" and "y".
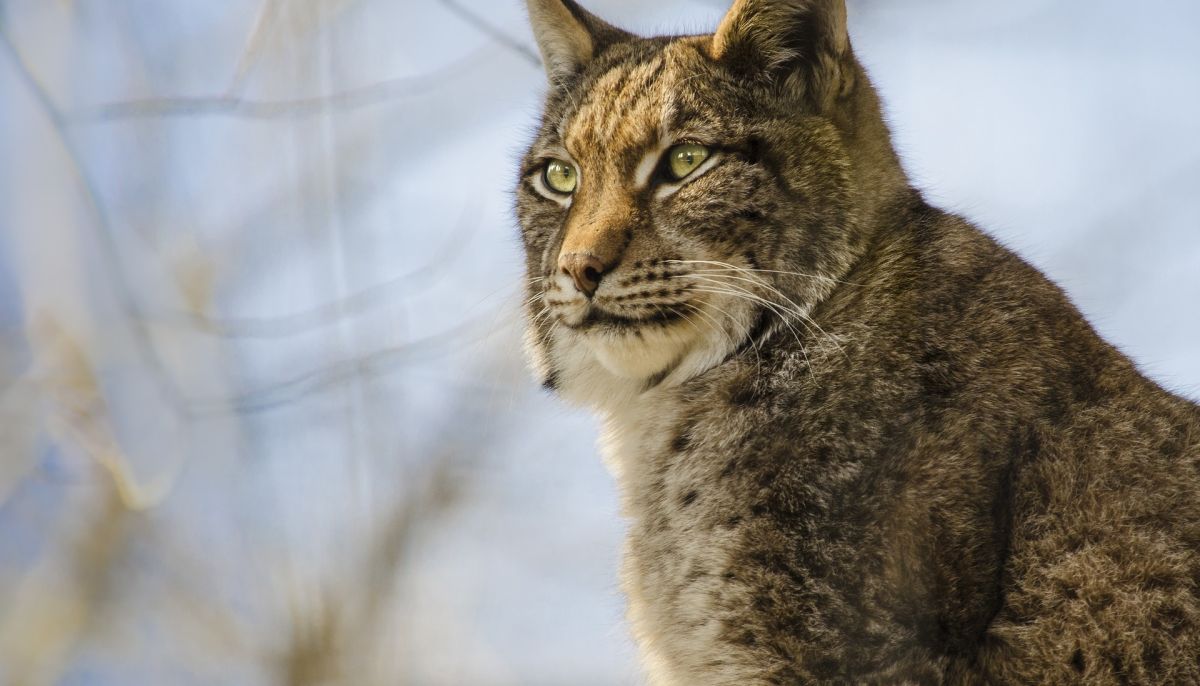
{"x": 857, "y": 440}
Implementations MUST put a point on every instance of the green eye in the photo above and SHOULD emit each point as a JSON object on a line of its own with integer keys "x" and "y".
{"x": 684, "y": 159}
{"x": 561, "y": 177}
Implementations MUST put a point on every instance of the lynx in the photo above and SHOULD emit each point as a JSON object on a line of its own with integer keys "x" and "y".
{"x": 857, "y": 440}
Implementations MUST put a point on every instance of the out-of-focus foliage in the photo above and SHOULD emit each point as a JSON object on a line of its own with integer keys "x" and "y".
{"x": 263, "y": 412}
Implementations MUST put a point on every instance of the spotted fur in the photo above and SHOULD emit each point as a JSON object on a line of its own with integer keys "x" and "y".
{"x": 857, "y": 440}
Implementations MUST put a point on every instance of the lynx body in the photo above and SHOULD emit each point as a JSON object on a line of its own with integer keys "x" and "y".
{"x": 857, "y": 440}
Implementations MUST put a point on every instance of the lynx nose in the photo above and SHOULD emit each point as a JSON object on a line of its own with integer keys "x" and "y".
{"x": 584, "y": 269}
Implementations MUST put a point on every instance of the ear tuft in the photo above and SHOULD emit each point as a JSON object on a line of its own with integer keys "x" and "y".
{"x": 568, "y": 36}
{"x": 779, "y": 39}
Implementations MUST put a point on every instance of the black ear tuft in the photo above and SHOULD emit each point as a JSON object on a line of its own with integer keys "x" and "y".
{"x": 569, "y": 36}
{"x": 790, "y": 41}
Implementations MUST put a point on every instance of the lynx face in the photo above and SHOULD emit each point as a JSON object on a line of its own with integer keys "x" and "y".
{"x": 673, "y": 204}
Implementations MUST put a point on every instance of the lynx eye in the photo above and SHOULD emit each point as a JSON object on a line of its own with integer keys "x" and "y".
{"x": 684, "y": 159}
{"x": 560, "y": 176}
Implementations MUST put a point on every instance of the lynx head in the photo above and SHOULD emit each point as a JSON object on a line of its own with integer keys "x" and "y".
{"x": 686, "y": 195}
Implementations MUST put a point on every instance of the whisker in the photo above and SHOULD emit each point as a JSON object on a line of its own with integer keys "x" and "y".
{"x": 541, "y": 317}
{"x": 779, "y": 308}
{"x": 797, "y": 310}
{"x": 725, "y": 266}
{"x": 751, "y": 297}
{"x": 712, "y": 323}
{"x": 672, "y": 310}
{"x": 728, "y": 338}
{"x": 754, "y": 343}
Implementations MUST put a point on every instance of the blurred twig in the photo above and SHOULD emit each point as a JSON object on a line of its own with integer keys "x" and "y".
{"x": 69, "y": 379}
{"x": 233, "y": 106}
{"x": 51, "y": 612}
{"x": 333, "y": 639}
{"x": 259, "y": 400}
{"x": 330, "y": 312}
{"x": 107, "y": 239}
{"x": 493, "y": 32}
{"x": 20, "y": 418}
{"x": 285, "y": 392}
{"x": 254, "y": 45}
{"x": 337, "y": 633}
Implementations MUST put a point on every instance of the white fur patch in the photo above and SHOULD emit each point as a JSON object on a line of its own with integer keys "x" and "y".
{"x": 604, "y": 370}
{"x": 641, "y": 357}
{"x": 645, "y": 169}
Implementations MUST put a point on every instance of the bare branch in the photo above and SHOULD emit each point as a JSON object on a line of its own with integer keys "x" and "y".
{"x": 285, "y": 392}
{"x": 329, "y": 313}
{"x": 254, "y": 44}
{"x": 49, "y": 617}
{"x": 233, "y": 106}
{"x": 109, "y": 252}
{"x": 496, "y": 34}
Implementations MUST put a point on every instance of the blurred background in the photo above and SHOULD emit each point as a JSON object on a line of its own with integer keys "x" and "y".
{"x": 264, "y": 417}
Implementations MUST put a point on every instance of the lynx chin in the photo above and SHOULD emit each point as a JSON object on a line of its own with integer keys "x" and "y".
{"x": 857, "y": 441}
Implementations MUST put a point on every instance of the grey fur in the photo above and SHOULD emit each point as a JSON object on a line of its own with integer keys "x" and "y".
{"x": 857, "y": 440}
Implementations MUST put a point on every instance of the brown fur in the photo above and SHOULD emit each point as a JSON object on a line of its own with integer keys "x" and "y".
{"x": 857, "y": 440}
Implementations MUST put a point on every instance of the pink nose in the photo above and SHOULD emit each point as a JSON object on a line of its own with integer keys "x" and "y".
{"x": 585, "y": 270}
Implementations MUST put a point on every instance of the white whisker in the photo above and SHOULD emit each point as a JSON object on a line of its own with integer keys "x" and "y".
{"x": 779, "y": 308}
{"x": 712, "y": 323}
{"x": 751, "y": 297}
{"x": 753, "y": 343}
{"x": 725, "y": 266}
{"x": 796, "y": 310}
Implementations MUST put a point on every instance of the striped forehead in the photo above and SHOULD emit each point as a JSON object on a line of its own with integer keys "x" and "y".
{"x": 625, "y": 109}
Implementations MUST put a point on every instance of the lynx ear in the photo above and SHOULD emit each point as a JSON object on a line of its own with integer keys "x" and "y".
{"x": 780, "y": 39}
{"x": 568, "y": 36}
